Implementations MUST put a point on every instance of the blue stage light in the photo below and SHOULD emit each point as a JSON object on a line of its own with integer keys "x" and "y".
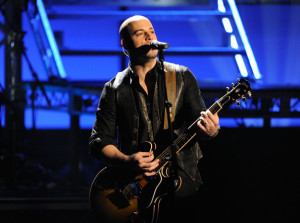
{"x": 244, "y": 38}
{"x": 54, "y": 49}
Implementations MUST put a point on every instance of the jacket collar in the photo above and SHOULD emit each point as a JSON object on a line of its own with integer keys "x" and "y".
{"x": 134, "y": 77}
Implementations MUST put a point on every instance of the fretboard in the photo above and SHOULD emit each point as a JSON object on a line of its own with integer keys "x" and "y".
{"x": 185, "y": 139}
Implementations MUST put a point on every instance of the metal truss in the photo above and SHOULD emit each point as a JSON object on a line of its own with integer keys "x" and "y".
{"x": 74, "y": 98}
{"x": 83, "y": 98}
{"x": 264, "y": 103}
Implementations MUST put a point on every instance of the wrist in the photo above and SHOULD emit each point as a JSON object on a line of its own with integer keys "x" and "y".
{"x": 217, "y": 132}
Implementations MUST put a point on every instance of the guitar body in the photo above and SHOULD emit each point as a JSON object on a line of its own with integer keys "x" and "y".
{"x": 108, "y": 204}
{"x": 119, "y": 196}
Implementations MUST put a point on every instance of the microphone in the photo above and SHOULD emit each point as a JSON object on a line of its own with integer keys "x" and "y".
{"x": 154, "y": 44}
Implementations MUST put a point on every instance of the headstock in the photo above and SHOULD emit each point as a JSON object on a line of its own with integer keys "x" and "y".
{"x": 240, "y": 90}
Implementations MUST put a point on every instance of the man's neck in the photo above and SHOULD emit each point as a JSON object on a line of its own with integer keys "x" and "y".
{"x": 141, "y": 69}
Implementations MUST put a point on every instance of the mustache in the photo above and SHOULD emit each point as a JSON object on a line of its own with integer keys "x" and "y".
{"x": 142, "y": 50}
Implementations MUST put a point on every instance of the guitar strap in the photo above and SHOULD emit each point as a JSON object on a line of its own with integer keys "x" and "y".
{"x": 170, "y": 79}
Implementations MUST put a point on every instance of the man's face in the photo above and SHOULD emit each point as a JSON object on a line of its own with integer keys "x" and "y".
{"x": 142, "y": 33}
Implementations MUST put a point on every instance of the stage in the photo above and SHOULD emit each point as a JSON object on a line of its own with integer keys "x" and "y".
{"x": 249, "y": 174}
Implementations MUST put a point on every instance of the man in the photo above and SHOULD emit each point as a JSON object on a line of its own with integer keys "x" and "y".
{"x": 134, "y": 103}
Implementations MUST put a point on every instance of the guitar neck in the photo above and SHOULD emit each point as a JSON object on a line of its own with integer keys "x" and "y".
{"x": 186, "y": 138}
{"x": 239, "y": 90}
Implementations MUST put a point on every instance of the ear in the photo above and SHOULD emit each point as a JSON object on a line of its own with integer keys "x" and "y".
{"x": 124, "y": 44}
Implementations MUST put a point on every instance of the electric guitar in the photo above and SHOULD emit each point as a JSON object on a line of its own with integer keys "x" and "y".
{"x": 117, "y": 196}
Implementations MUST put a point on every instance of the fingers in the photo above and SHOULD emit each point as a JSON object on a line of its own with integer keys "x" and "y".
{"x": 204, "y": 120}
{"x": 149, "y": 174}
{"x": 144, "y": 157}
{"x": 149, "y": 166}
{"x": 207, "y": 118}
{"x": 145, "y": 161}
{"x": 208, "y": 122}
{"x": 149, "y": 170}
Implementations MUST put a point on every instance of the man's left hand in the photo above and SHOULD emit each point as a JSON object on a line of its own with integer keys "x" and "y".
{"x": 209, "y": 123}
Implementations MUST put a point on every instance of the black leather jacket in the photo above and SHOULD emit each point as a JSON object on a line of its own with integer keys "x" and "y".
{"x": 118, "y": 109}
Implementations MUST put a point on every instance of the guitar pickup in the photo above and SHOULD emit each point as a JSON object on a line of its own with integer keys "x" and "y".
{"x": 119, "y": 199}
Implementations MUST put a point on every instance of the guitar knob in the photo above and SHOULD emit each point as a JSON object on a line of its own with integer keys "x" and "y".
{"x": 133, "y": 216}
{"x": 238, "y": 103}
{"x": 243, "y": 98}
{"x": 167, "y": 158}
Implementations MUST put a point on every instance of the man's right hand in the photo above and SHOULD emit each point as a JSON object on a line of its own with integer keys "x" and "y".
{"x": 144, "y": 161}
{"x": 140, "y": 161}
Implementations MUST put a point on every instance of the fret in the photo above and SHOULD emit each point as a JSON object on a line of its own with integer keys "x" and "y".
{"x": 215, "y": 107}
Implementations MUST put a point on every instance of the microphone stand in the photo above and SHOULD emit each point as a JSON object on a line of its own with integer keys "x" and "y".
{"x": 173, "y": 165}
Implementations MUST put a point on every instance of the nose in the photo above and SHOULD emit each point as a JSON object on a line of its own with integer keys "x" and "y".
{"x": 150, "y": 35}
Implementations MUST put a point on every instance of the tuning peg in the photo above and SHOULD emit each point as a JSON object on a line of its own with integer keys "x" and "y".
{"x": 232, "y": 84}
{"x": 249, "y": 94}
{"x": 238, "y": 79}
{"x": 227, "y": 88}
{"x": 238, "y": 103}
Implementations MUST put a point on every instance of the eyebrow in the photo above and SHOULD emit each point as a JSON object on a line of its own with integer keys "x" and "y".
{"x": 141, "y": 30}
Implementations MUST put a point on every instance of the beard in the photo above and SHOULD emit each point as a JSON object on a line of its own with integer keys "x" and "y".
{"x": 142, "y": 53}
{"x": 151, "y": 54}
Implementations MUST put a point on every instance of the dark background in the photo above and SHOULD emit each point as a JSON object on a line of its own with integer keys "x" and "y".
{"x": 250, "y": 170}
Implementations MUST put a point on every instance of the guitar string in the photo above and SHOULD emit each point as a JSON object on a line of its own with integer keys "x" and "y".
{"x": 130, "y": 186}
